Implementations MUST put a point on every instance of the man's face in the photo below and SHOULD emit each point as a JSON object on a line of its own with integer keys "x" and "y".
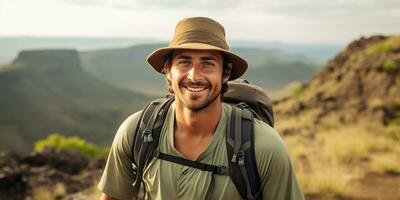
{"x": 196, "y": 77}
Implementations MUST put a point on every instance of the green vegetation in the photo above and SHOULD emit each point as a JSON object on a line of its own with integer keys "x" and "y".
{"x": 298, "y": 92}
{"x": 56, "y": 140}
{"x": 52, "y": 88}
{"x": 385, "y": 46}
{"x": 387, "y": 66}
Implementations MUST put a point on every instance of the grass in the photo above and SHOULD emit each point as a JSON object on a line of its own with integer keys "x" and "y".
{"x": 44, "y": 193}
{"x": 387, "y": 66}
{"x": 298, "y": 92}
{"x": 386, "y": 164}
{"x": 392, "y": 130}
{"x": 351, "y": 144}
{"x": 385, "y": 46}
{"x": 338, "y": 153}
{"x": 328, "y": 182}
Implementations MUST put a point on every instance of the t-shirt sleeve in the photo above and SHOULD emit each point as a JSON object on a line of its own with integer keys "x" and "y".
{"x": 118, "y": 176}
{"x": 277, "y": 174}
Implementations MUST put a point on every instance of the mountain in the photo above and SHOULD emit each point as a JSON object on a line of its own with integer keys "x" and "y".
{"x": 46, "y": 91}
{"x": 127, "y": 67}
{"x": 363, "y": 80}
{"x": 10, "y": 46}
{"x": 342, "y": 127}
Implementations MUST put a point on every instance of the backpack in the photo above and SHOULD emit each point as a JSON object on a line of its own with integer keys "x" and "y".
{"x": 249, "y": 101}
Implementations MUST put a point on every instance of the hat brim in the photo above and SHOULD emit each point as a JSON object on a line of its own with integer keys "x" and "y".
{"x": 157, "y": 58}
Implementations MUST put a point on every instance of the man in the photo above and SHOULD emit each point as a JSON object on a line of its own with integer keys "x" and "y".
{"x": 197, "y": 64}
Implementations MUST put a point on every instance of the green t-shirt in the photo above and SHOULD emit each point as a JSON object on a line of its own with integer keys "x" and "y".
{"x": 167, "y": 180}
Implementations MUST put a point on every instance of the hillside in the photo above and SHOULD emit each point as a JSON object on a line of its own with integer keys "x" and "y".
{"x": 343, "y": 126}
{"x": 46, "y": 91}
{"x": 127, "y": 67}
{"x": 362, "y": 82}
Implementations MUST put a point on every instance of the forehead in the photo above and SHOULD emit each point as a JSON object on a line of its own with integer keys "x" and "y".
{"x": 198, "y": 54}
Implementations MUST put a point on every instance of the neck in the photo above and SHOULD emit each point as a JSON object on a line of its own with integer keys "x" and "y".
{"x": 197, "y": 123}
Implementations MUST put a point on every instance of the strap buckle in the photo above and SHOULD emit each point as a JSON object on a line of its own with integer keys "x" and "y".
{"x": 147, "y": 136}
{"x": 238, "y": 158}
{"x": 222, "y": 170}
{"x": 242, "y": 105}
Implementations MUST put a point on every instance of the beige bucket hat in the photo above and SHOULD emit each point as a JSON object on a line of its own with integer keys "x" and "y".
{"x": 198, "y": 33}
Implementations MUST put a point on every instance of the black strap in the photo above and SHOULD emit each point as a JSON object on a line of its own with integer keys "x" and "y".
{"x": 219, "y": 170}
{"x": 241, "y": 156}
{"x": 147, "y": 135}
{"x": 155, "y": 114}
{"x": 215, "y": 170}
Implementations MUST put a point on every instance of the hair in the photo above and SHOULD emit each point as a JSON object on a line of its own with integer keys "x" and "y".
{"x": 225, "y": 71}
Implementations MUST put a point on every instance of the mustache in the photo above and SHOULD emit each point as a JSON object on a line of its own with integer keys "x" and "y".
{"x": 195, "y": 83}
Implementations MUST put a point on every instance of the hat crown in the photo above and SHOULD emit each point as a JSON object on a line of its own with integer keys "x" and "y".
{"x": 199, "y": 30}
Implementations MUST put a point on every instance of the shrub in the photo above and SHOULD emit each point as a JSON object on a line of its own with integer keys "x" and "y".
{"x": 386, "y": 66}
{"x": 56, "y": 140}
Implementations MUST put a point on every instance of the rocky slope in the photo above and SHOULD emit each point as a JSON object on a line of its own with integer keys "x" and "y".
{"x": 342, "y": 127}
{"x": 58, "y": 173}
{"x": 362, "y": 81}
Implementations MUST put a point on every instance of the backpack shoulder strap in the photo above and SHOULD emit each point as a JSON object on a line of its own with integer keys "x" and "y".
{"x": 241, "y": 156}
{"x": 147, "y": 135}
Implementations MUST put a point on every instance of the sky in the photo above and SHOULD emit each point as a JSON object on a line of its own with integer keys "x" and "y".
{"x": 292, "y": 21}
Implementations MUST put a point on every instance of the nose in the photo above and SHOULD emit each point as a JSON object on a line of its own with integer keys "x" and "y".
{"x": 194, "y": 73}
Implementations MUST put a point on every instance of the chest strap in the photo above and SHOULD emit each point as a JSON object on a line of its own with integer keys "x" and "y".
{"x": 218, "y": 170}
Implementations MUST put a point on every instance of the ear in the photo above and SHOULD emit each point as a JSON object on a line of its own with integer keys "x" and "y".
{"x": 167, "y": 72}
{"x": 227, "y": 73}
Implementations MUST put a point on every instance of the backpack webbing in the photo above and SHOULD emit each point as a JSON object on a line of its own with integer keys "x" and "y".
{"x": 241, "y": 153}
{"x": 240, "y": 148}
{"x": 147, "y": 136}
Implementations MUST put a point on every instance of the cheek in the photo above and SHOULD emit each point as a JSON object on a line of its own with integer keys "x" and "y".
{"x": 175, "y": 76}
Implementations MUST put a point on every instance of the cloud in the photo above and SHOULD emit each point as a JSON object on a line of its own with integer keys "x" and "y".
{"x": 87, "y": 2}
{"x": 177, "y": 4}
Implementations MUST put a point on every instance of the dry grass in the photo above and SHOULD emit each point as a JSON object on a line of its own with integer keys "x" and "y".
{"x": 45, "y": 193}
{"x": 329, "y": 182}
{"x": 351, "y": 144}
{"x": 326, "y": 163}
{"x": 385, "y": 46}
{"x": 303, "y": 121}
{"x": 386, "y": 164}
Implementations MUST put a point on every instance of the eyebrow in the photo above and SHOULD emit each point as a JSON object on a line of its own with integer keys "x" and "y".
{"x": 202, "y": 58}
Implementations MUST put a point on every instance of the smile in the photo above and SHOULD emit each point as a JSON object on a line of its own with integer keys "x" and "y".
{"x": 195, "y": 89}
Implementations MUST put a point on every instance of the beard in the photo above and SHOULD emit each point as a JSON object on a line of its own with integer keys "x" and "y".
{"x": 202, "y": 105}
{"x": 205, "y": 104}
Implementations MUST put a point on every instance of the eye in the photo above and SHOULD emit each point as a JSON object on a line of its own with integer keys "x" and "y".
{"x": 183, "y": 62}
{"x": 208, "y": 63}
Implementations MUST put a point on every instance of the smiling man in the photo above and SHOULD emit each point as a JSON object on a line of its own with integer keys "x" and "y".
{"x": 197, "y": 64}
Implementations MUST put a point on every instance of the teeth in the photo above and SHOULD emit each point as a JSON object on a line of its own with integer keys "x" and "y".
{"x": 195, "y": 89}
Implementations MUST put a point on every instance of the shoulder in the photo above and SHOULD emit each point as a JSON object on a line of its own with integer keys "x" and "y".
{"x": 267, "y": 138}
{"x": 124, "y": 138}
{"x": 270, "y": 149}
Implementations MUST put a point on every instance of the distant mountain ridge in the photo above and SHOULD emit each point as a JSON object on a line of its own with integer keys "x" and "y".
{"x": 10, "y": 46}
{"x": 127, "y": 67}
{"x": 47, "y": 91}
